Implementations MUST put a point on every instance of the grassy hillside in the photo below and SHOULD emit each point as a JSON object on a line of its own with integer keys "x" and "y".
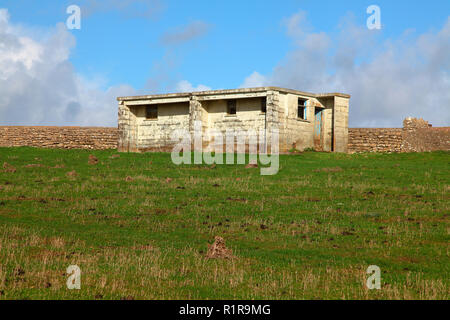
{"x": 138, "y": 226}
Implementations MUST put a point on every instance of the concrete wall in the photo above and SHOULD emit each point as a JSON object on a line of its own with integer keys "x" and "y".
{"x": 340, "y": 124}
{"x": 248, "y": 115}
{"x": 153, "y": 134}
{"x": 299, "y": 132}
{"x": 127, "y": 140}
{"x": 328, "y": 127}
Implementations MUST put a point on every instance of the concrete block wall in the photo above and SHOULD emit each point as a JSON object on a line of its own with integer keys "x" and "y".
{"x": 340, "y": 124}
{"x": 299, "y": 132}
{"x": 248, "y": 115}
{"x": 214, "y": 116}
{"x": 328, "y": 127}
{"x": 154, "y": 134}
{"x": 127, "y": 129}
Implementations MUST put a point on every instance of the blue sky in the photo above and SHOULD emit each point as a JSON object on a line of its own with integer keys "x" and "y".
{"x": 153, "y": 46}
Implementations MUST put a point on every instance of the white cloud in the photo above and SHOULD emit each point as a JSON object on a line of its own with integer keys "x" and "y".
{"x": 388, "y": 81}
{"x": 39, "y": 86}
{"x": 254, "y": 80}
{"x": 296, "y": 25}
{"x": 4, "y": 18}
{"x": 186, "y": 86}
{"x": 186, "y": 33}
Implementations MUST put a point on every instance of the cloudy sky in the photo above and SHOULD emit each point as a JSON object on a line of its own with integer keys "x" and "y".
{"x": 50, "y": 75}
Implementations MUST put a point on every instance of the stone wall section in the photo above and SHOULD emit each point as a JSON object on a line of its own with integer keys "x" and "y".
{"x": 375, "y": 140}
{"x": 59, "y": 137}
{"x": 417, "y": 135}
{"x": 420, "y": 136}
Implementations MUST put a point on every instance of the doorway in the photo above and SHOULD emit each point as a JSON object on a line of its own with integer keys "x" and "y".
{"x": 318, "y": 129}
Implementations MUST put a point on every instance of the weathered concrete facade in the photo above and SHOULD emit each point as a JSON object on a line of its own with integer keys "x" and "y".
{"x": 304, "y": 120}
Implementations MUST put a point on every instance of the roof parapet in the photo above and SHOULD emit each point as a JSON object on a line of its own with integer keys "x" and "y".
{"x": 232, "y": 91}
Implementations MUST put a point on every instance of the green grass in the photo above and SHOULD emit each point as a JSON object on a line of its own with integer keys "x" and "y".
{"x": 309, "y": 232}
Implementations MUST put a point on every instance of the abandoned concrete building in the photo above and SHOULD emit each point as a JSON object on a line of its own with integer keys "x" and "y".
{"x": 304, "y": 120}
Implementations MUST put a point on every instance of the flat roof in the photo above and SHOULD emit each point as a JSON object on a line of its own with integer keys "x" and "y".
{"x": 232, "y": 91}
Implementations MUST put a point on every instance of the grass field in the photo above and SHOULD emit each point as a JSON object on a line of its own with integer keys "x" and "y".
{"x": 138, "y": 226}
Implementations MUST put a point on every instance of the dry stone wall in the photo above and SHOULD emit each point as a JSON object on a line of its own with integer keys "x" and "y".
{"x": 417, "y": 135}
{"x": 59, "y": 137}
{"x": 420, "y": 136}
{"x": 375, "y": 140}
